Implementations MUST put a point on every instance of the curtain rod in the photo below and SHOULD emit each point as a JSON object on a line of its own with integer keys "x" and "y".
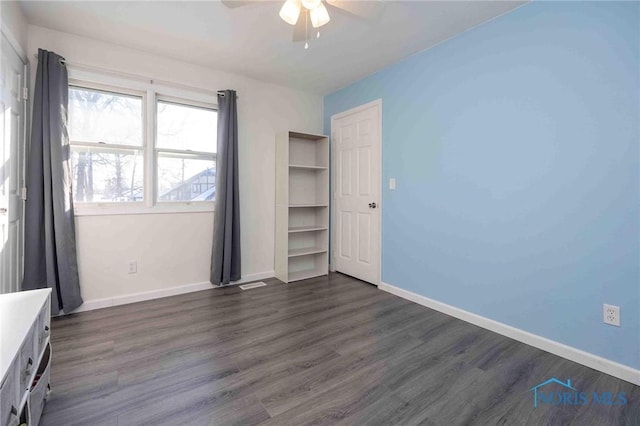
{"x": 149, "y": 80}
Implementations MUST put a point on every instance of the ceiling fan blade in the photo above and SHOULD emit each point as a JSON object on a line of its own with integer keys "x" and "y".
{"x": 232, "y": 4}
{"x": 300, "y": 32}
{"x": 368, "y": 10}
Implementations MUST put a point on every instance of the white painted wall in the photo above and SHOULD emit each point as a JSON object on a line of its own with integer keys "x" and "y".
{"x": 175, "y": 249}
{"x": 14, "y": 24}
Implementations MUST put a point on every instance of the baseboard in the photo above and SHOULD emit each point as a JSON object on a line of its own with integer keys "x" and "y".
{"x": 604, "y": 365}
{"x": 90, "y": 305}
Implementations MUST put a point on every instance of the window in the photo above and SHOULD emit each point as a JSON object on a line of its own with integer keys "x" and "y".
{"x": 116, "y": 161}
{"x": 186, "y": 147}
{"x": 107, "y": 146}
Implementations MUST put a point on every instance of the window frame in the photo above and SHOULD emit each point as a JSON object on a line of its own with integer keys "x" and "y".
{"x": 178, "y": 153}
{"x": 80, "y": 206}
{"x": 151, "y": 93}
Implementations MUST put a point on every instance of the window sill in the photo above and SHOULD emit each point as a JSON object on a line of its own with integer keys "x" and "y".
{"x": 165, "y": 208}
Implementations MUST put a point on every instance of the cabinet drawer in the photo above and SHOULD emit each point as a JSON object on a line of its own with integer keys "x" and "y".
{"x": 10, "y": 397}
{"x": 28, "y": 360}
{"x": 43, "y": 325}
{"x": 40, "y": 390}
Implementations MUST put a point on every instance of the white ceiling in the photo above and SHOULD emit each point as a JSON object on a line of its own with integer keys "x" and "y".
{"x": 254, "y": 41}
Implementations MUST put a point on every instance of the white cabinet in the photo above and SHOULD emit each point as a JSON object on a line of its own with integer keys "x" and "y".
{"x": 302, "y": 206}
{"x": 25, "y": 356}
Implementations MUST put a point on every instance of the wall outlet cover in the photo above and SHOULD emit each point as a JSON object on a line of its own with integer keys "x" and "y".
{"x": 611, "y": 314}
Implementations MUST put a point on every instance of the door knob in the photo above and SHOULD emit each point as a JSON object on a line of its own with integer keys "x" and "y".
{"x": 372, "y": 205}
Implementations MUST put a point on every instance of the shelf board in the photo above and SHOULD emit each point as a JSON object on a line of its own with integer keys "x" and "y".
{"x": 307, "y": 205}
{"x": 308, "y": 136}
{"x": 307, "y": 228}
{"x": 303, "y": 167}
{"x": 305, "y": 251}
{"x": 307, "y": 273}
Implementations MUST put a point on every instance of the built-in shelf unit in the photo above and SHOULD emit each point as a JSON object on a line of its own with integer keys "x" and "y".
{"x": 302, "y": 206}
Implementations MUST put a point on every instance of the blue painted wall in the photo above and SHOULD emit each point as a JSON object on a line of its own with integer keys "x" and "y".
{"x": 516, "y": 151}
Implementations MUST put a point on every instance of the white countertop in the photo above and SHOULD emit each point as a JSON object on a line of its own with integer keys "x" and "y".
{"x": 18, "y": 312}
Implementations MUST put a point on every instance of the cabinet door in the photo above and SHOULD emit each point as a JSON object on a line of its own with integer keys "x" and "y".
{"x": 43, "y": 325}
{"x": 28, "y": 360}
{"x": 39, "y": 394}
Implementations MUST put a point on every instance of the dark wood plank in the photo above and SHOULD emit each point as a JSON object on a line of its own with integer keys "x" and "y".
{"x": 329, "y": 350}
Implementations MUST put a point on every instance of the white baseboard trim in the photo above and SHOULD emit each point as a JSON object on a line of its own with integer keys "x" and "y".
{"x": 604, "y": 365}
{"x": 90, "y": 305}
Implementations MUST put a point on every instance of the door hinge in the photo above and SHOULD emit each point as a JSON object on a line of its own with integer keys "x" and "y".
{"x": 23, "y": 194}
{"x": 25, "y": 93}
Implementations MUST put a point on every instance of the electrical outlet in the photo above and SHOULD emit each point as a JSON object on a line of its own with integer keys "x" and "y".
{"x": 133, "y": 266}
{"x": 611, "y": 315}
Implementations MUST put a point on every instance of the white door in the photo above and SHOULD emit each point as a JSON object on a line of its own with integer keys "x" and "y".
{"x": 356, "y": 136}
{"x": 12, "y": 82}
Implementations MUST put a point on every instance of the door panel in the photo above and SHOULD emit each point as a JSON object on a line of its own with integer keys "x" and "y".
{"x": 357, "y": 140}
{"x": 364, "y": 238}
{"x": 345, "y": 235}
{"x": 345, "y": 175}
{"x": 364, "y": 171}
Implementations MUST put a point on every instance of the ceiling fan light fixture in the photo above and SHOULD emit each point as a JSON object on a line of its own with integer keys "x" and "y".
{"x": 311, "y": 4}
{"x": 290, "y": 11}
{"x": 319, "y": 16}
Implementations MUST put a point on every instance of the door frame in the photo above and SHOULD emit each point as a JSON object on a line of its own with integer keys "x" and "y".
{"x": 332, "y": 199}
{"x": 23, "y": 144}
{"x": 13, "y": 41}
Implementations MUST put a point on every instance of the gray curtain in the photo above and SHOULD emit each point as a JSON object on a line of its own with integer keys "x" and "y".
{"x": 50, "y": 238}
{"x": 225, "y": 257}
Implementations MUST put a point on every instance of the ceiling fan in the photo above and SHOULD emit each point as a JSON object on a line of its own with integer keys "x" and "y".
{"x": 309, "y": 15}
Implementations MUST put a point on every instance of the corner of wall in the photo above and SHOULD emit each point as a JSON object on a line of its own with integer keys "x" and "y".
{"x": 15, "y": 26}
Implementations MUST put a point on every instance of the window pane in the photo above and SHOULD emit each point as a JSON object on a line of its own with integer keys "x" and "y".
{"x": 97, "y": 116}
{"x": 181, "y": 179}
{"x": 185, "y": 127}
{"x": 105, "y": 176}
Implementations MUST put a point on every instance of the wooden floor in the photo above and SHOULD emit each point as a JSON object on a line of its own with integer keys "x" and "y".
{"x": 331, "y": 350}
